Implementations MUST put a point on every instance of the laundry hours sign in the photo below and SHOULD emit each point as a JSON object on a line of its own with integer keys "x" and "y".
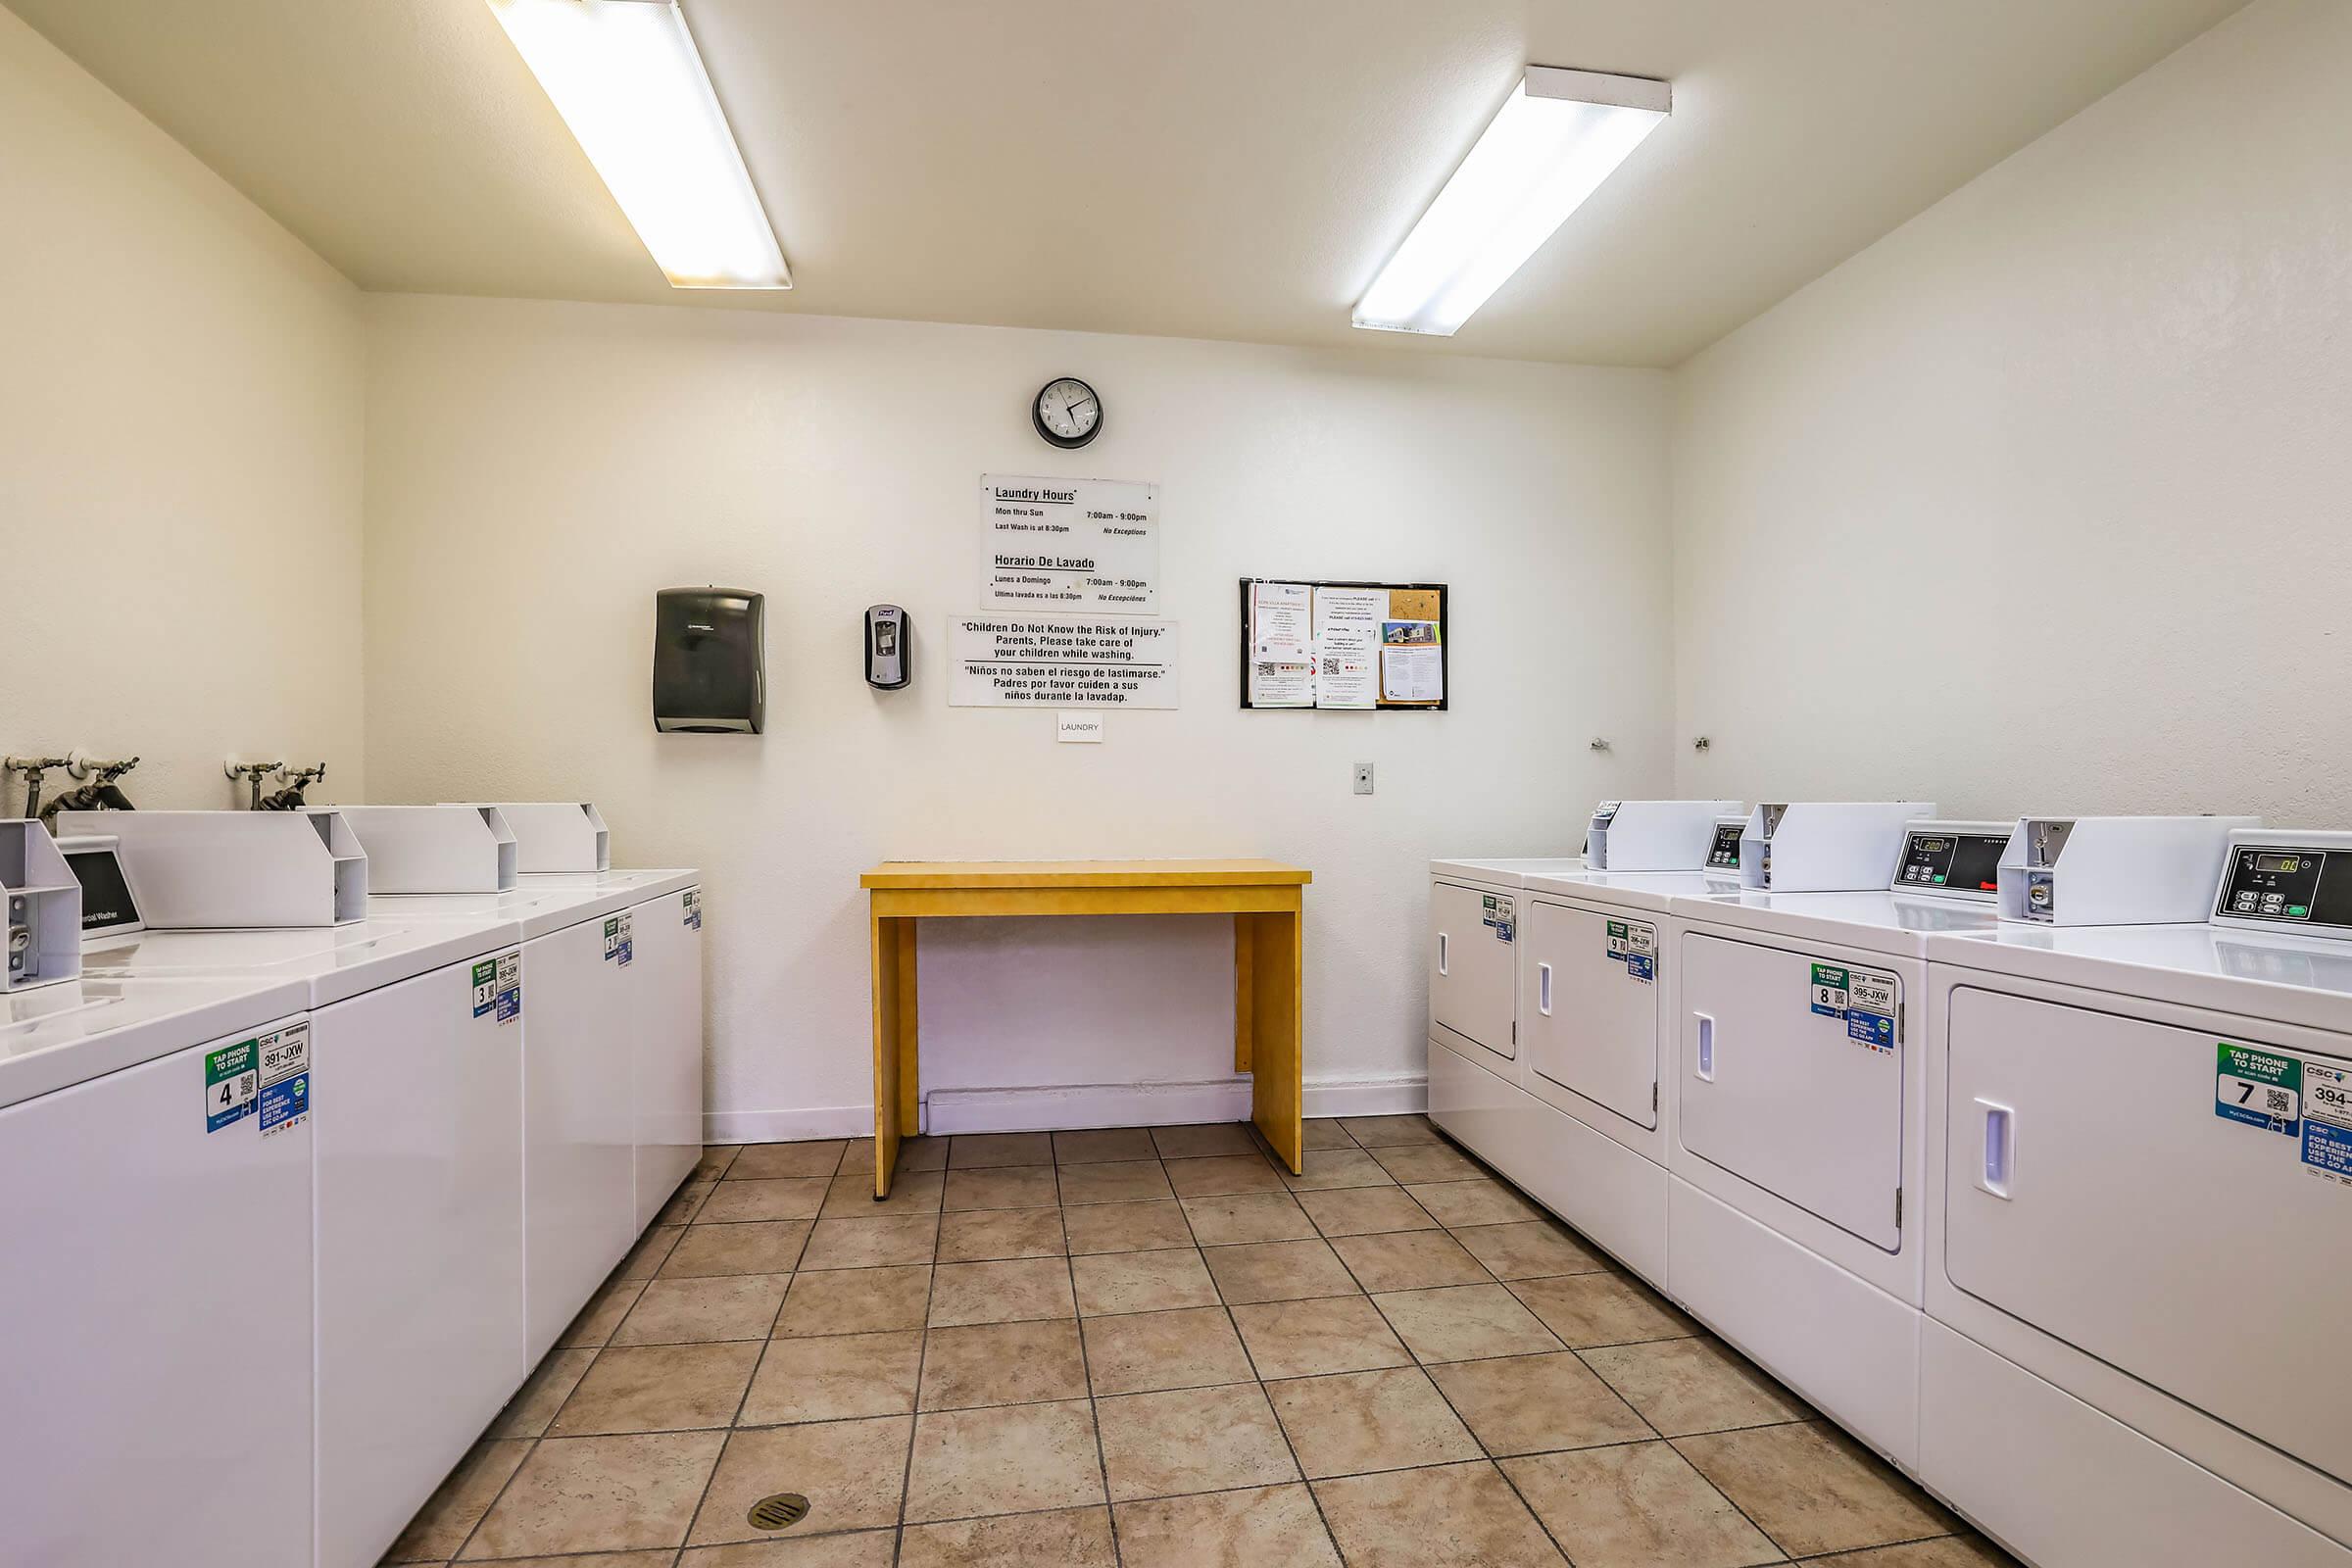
{"x": 1068, "y": 544}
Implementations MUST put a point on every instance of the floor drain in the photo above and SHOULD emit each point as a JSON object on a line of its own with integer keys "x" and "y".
{"x": 779, "y": 1513}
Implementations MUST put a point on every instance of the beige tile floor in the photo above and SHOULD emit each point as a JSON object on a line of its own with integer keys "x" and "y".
{"x": 1154, "y": 1348}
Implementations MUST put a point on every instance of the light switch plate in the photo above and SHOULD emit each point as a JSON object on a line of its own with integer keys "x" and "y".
{"x": 1363, "y": 778}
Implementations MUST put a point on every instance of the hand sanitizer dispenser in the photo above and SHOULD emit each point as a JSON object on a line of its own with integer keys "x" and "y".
{"x": 886, "y": 665}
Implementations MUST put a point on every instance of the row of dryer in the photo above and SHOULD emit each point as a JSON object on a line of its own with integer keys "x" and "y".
{"x": 299, "y": 1181}
{"x": 2023, "y": 1151}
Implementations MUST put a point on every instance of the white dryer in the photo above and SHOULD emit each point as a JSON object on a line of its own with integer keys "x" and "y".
{"x": 1595, "y": 1021}
{"x": 661, "y": 941}
{"x": 154, "y": 1210}
{"x": 1796, "y": 1112}
{"x": 1473, "y": 955}
{"x": 579, "y": 1121}
{"x": 2140, "y": 1148}
{"x": 417, "y": 1203}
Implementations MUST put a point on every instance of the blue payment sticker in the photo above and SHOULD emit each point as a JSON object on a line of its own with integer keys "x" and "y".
{"x": 1871, "y": 1029}
{"x": 1642, "y": 967}
{"x": 2327, "y": 1150}
{"x": 284, "y": 1105}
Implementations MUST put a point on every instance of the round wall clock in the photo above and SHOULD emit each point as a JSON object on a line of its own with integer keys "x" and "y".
{"x": 1066, "y": 412}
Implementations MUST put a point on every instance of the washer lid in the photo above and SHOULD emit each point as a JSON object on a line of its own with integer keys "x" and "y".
{"x": 334, "y": 963}
{"x": 77, "y": 1030}
{"x": 537, "y": 910}
{"x": 1507, "y": 873}
{"x": 1880, "y": 922}
{"x": 1651, "y": 891}
{"x": 2301, "y": 980}
{"x": 638, "y": 885}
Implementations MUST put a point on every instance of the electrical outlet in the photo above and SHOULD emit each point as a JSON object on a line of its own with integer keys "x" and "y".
{"x": 1363, "y": 778}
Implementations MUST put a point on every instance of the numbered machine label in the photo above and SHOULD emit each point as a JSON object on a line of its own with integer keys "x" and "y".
{"x": 2278, "y": 1092}
{"x": 1866, "y": 1001}
{"x": 498, "y": 987}
{"x": 232, "y": 1082}
{"x": 1500, "y": 915}
{"x": 691, "y": 901}
{"x": 1635, "y": 943}
{"x": 285, "y": 1066}
{"x": 2260, "y": 1088}
{"x": 618, "y": 947}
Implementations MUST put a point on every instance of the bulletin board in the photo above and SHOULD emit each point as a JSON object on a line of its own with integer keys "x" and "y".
{"x": 1325, "y": 644}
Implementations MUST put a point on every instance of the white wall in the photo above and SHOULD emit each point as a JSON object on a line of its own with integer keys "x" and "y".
{"x": 181, "y": 456}
{"x": 536, "y": 471}
{"x": 2040, "y": 503}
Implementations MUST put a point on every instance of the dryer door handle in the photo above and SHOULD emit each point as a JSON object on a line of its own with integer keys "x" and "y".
{"x": 1544, "y": 989}
{"x": 1442, "y": 943}
{"x": 1998, "y": 1168}
{"x": 1706, "y": 1047}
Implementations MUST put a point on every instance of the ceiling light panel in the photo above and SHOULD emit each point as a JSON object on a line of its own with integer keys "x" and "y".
{"x": 1557, "y": 136}
{"x": 628, "y": 80}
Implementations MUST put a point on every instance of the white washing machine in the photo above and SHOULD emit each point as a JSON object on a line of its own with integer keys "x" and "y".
{"x": 416, "y": 1204}
{"x": 155, "y": 1210}
{"x": 1795, "y": 1116}
{"x": 664, "y": 933}
{"x": 579, "y": 1121}
{"x": 2140, "y": 1238}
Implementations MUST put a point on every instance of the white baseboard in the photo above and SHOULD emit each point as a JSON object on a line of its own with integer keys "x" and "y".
{"x": 1057, "y": 1105}
{"x": 1390, "y": 1096}
{"x": 787, "y": 1126}
{"x": 1052, "y": 1107}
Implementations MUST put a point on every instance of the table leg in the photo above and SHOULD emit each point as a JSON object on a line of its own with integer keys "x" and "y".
{"x": 1277, "y": 1089}
{"x": 1245, "y": 990}
{"x": 891, "y": 944}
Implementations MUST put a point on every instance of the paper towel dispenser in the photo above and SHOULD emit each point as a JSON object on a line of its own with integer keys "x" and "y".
{"x": 707, "y": 674}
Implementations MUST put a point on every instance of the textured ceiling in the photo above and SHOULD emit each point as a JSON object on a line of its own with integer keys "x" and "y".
{"x": 1226, "y": 168}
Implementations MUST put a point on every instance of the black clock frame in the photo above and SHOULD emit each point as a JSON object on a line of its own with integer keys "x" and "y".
{"x": 1036, "y": 417}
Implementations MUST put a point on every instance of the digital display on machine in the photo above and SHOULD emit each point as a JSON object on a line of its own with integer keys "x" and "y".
{"x": 1724, "y": 854}
{"x": 1951, "y": 862}
{"x": 106, "y": 900}
{"x": 2289, "y": 886}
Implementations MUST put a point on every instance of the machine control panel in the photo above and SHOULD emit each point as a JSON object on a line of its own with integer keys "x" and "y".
{"x": 2288, "y": 885}
{"x": 1942, "y": 861}
{"x": 1723, "y": 855}
{"x": 107, "y": 904}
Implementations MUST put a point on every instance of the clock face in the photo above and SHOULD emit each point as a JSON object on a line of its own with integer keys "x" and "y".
{"x": 1067, "y": 413}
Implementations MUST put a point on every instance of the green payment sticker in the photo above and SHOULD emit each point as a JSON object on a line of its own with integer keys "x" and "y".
{"x": 1829, "y": 997}
{"x": 2259, "y": 1088}
{"x": 232, "y": 1084}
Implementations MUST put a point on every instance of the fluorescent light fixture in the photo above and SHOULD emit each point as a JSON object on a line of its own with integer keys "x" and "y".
{"x": 628, "y": 80}
{"x": 1557, "y": 137}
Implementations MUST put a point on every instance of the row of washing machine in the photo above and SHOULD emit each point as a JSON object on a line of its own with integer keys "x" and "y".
{"x": 2023, "y": 1151}
{"x": 297, "y": 1182}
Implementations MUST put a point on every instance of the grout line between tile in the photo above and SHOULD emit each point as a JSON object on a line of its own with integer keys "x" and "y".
{"x": 1094, "y": 1409}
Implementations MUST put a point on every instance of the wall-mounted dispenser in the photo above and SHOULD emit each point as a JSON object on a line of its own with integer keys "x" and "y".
{"x": 888, "y": 662}
{"x": 707, "y": 674}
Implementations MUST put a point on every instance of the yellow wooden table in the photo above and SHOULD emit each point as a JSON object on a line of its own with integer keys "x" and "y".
{"x": 1263, "y": 896}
